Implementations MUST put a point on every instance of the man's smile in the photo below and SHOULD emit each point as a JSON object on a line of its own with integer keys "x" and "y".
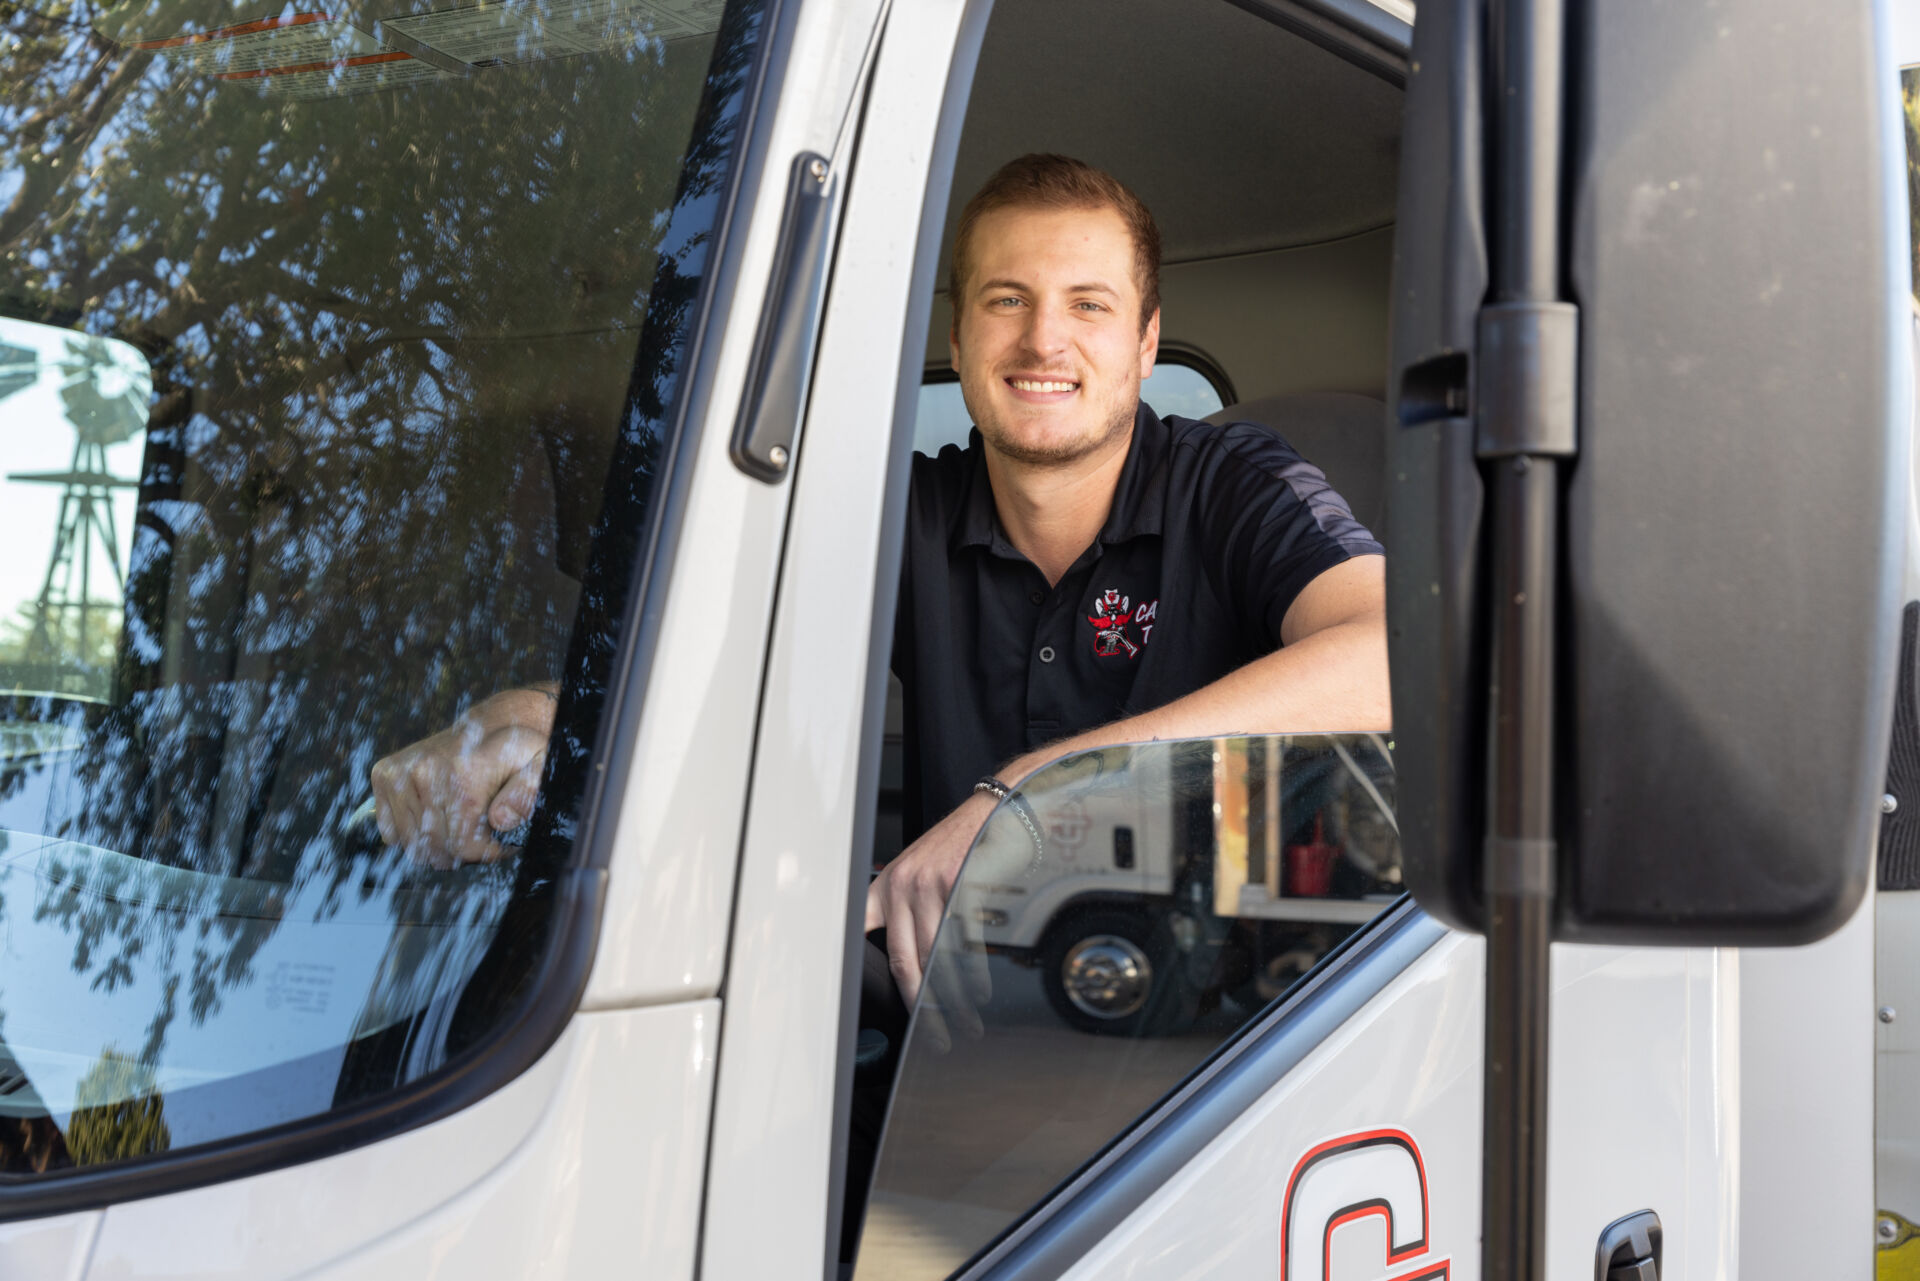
{"x": 1042, "y": 390}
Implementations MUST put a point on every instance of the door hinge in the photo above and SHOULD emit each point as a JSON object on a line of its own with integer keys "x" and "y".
{"x": 1527, "y": 362}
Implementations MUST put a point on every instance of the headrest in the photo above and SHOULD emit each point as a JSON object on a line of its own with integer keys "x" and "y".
{"x": 1343, "y": 434}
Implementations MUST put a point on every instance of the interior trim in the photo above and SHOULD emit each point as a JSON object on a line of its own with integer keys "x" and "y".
{"x": 1357, "y": 30}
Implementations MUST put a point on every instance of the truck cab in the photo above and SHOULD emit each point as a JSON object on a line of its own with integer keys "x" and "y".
{"x": 360, "y": 363}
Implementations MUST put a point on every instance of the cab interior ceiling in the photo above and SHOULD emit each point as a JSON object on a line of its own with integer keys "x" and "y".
{"x": 1270, "y": 163}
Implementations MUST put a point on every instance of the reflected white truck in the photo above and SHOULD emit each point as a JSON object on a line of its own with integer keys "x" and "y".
{"x": 1087, "y": 884}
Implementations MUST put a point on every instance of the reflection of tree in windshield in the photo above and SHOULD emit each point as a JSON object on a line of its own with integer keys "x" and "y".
{"x": 119, "y": 1114}
{"x": 391, "y": 338}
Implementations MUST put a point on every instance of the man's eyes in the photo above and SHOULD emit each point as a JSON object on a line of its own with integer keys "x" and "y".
{"x": 1010, "y": 301}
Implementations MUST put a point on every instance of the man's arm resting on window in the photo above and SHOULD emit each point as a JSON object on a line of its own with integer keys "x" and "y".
{"x": 1329, "y": 676}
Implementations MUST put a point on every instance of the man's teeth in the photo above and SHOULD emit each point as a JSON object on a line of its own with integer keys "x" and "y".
{"x": 1031, "y": 384}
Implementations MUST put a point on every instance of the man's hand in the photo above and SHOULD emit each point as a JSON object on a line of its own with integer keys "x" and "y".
{"x": 443, "y": 798}
{"x": 910, "y": 895}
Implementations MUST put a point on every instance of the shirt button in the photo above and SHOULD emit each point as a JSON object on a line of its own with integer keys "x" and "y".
{"x": 1038, "y": 598}
{"x": 1046, "y": 653}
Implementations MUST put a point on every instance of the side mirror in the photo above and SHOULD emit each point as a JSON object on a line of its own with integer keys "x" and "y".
{"x": 1732, "y": 532}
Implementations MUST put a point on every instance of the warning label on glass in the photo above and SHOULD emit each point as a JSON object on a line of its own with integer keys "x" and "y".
{"x": 297, "y": 40}
{"x": 356, "y": 75}
{"x": 529, "y": 30}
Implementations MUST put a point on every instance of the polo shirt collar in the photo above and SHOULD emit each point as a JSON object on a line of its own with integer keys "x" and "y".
{"x": 1139, "y": 497}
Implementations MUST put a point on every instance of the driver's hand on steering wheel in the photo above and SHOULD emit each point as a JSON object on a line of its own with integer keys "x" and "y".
{"x": 444, "y": 798}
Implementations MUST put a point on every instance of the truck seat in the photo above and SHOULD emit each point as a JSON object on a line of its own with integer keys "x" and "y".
{"x": 1343, "y": 434}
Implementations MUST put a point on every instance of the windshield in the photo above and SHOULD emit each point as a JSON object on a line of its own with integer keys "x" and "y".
{"x": 321, "y": 333}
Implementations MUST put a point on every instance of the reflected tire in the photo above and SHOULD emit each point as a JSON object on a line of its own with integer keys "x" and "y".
{"x": 1115, "y": 973}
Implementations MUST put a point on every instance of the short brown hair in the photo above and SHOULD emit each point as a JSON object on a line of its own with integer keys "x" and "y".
{"x": 1061, "y": 182}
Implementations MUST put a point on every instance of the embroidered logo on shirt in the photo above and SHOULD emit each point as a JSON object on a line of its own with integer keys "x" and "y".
{"x": 1120, "y": 627}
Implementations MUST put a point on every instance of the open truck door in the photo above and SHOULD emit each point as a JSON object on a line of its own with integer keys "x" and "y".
{"x": 1611, "y": 341}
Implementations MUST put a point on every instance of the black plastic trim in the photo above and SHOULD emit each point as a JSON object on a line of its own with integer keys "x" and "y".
{"x": 620, "y": 723}
{"x": 782, "y": 365}
{"x": 1192, "y": 357}
{"x": 1074, "y": 1220}
{"x": 1362, "y": 33}
{"x": 550, "y": 1000}
{"x": 886, "y": 588}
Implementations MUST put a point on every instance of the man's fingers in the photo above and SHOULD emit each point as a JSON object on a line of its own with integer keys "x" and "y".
{"x": 932, "y": 1028}
{"x": 876, "y": 902}
{"x": 381, "y": 776}
{"x": 976, "y": 981}
{"x": 928, "y": 906}
{"x": 514, "y": 802}
{"x": 407, "y": 803}
{"x": 903, "y": 948}
{"x": 946, "y": 980}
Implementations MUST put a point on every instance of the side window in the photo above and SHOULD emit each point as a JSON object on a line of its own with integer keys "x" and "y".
{"x": 1174, "y": 388}
{"x": 1120, "y": 917}
{"x": 323, "y": 419}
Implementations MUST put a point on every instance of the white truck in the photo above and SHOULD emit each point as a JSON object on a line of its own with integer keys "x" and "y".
{"x": 1259, "y": 872}
{"x": 578, "y": 344}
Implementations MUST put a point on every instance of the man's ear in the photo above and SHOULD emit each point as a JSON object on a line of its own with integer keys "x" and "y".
{"x": 953, "y": 343}
{"x": 1150, "y": 345}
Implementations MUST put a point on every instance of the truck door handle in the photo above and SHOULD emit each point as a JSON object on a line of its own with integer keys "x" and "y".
{"x": 776, "y": 392}
{"x": 1629, "y": 1249}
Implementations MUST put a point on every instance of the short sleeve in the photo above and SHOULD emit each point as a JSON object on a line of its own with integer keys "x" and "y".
{"x": 1269, "y": 524}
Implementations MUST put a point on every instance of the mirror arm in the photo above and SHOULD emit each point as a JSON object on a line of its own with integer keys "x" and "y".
{"x": 1524, "y": 426}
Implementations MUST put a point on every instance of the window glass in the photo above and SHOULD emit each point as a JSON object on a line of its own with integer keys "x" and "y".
{"x": 1172, "y": 389}
{"x": 1118, "y": 919}
{"x": 333, "y": 378}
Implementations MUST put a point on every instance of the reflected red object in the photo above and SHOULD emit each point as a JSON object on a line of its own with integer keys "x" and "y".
{"x": 1309, "y": 867}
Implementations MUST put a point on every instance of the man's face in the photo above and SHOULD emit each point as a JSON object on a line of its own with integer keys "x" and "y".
{"x": 1047, "y": 337}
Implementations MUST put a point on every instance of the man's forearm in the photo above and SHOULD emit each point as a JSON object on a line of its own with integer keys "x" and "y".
{"x": 1333, "y": 681}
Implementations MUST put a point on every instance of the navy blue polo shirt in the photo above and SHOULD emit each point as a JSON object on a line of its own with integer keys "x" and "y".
{"x": 1213, "y": 533}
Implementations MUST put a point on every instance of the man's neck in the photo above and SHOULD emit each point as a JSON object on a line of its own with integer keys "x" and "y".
{"x": 1053, "y": 512}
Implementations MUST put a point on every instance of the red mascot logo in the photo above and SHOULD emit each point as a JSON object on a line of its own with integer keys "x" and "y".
{"x": 1116, "y": 621}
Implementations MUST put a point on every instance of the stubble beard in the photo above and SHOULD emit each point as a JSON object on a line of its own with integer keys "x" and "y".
{"x": 1056, "y": 453}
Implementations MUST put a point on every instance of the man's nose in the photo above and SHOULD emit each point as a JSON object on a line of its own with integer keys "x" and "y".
{"x": 1046, "y": 332}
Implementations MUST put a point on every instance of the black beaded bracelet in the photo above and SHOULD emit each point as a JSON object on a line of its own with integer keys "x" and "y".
{"x": 993, "y": 787}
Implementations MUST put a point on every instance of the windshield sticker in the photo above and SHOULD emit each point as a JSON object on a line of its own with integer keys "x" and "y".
{"x": 299, "y": 40}
{"x": 496, "y": 33}
{"x": 354, "y": 75}
{"x": 1365, "y": 1182}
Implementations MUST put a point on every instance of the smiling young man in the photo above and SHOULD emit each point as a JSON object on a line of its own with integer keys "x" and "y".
{"x": 1084, "y": 573}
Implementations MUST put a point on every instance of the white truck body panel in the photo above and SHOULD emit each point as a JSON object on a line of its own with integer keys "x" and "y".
{"x": 770, "y": 1170}
{"x": 587, "y": 1166}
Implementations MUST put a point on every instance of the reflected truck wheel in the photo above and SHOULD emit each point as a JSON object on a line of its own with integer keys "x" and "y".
{"x": 1114, "y": 973}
